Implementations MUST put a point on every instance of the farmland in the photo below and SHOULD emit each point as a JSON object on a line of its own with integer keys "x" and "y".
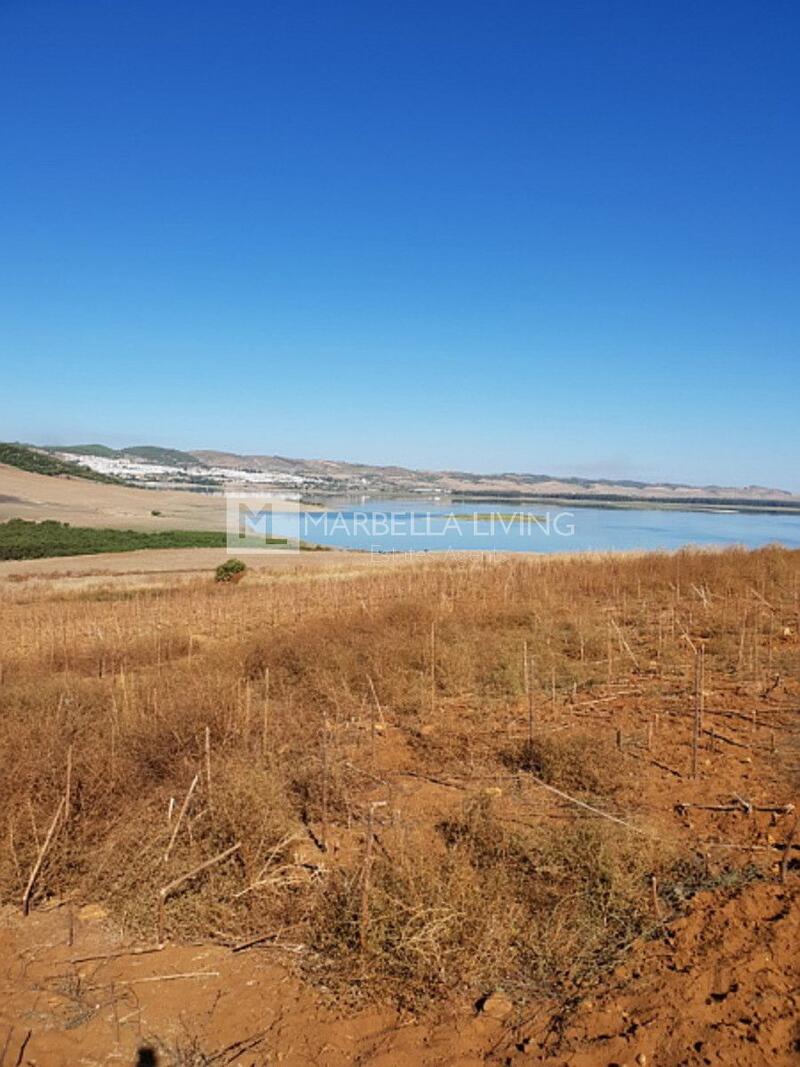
{"x": 483, "y": 805}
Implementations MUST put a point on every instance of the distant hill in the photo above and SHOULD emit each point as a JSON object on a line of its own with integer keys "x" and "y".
{"x": 216, "y": 470}
{"x": 82, "y": 450}
{"x": 40, "y": 462}
{"x": 169, "y": 457}
{"x": 335, "y": 475}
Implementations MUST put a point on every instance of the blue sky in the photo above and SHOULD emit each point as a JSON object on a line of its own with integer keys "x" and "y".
{"x": 556, "y": 237}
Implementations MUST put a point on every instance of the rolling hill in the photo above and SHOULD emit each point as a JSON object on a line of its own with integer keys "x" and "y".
{"x": 157, "y": 466}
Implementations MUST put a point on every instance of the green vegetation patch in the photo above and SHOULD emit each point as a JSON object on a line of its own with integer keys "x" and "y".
{"x": 29, "y": 459}
{"x": 20, "y": 539}
{"x": 169, "y": 457}
{"x": 84, "y": 450}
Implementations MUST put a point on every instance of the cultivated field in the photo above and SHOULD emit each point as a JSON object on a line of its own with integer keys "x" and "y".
{"x": 25, "y": 495}
{"x": 447, "y": 811}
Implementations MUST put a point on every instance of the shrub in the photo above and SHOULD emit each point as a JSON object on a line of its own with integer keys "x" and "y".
{"x": 231, "y": 570}
{"x": 581, "y": 763}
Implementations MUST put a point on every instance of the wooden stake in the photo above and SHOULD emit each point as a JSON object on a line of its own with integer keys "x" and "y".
{"x": 265, "y": 714}
{"x": 375, "y": 698}
{"x": 26, "y": 896}
{"x": 68, "y": 785}
{"x": 528, "y": 691}
{"x": 433, "y": 667}
{"x": 208, "y": 762}
{"x": 702, "y": 682}
{"x": 553, "y": 687}
{"x": 181, "y": 813}
{"x": 624, "y": 644}
{"x": 366, "y": 874}
{"x": 656, "y": 902}
{"x": 699, "y": 673}
{"x": 608, "y": 641}
{"x": 324, "y": 835}
{"x": 247, "y": 713}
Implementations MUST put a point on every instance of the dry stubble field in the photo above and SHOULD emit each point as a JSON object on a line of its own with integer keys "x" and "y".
{"x": 449, "y": 811}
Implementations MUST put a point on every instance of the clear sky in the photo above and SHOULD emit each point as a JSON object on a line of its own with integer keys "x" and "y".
{"x": 537, "y": 236}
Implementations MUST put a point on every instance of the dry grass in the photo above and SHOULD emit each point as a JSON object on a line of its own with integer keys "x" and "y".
{"x": 533, "y": 912}
{"x": 299, "y": 701}
{"x": 581, "y": 763}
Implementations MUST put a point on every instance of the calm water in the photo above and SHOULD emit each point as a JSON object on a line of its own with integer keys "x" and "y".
{"x": 405, "y": 526}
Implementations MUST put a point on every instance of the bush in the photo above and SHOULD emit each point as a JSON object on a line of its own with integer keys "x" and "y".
{"x": 580, "y": 763}
{"x": 231, "y": 570}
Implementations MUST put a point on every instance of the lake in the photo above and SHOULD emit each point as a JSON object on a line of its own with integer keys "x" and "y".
{"x": 419, "y": 526}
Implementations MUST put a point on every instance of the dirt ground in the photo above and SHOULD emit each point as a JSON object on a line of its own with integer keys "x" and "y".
{"x": 154, "y": 565}
{"x": 721, "y": 986}
{"x": 24, "y": 495}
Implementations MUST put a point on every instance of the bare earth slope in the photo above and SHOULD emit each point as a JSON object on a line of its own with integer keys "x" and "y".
{"x": 723, "y": 986}
{"x": 24, "y": 495}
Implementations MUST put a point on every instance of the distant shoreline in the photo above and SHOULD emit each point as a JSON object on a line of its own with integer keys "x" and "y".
{"x": 723, "y": 505}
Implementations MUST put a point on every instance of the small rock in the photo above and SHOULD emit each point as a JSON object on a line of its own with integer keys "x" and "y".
{"x": 497, "y": 1006}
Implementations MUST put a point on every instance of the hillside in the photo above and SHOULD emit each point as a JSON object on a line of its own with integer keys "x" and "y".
{"x": 172, "y": 457}
{"x": 155, "y": 466}
{"x": 32, "y": 496}
{"x": 39, "y": 462}
{"x": 368, "y": 478}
